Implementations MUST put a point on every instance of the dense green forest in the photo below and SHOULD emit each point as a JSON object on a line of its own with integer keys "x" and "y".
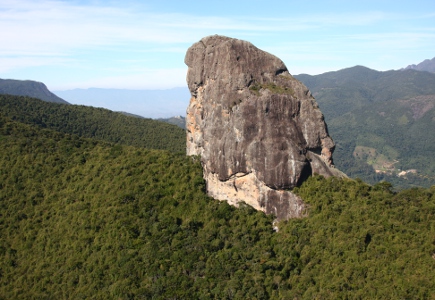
{"x": 380, "y": 121}
{"x": 97, "y": 123}
{"x": 88, "y": 219}
{"x": 399, "y": 139}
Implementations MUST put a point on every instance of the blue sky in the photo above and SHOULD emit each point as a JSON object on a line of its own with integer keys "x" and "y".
{"x": 141, "y": 44}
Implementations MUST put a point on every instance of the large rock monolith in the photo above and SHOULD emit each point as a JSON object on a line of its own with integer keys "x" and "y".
{"x": 259, "y": 131}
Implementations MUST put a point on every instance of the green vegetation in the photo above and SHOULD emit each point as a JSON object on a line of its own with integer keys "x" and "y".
{"x": 397, "y": 145}
{"x": 391, "y": 112}
{"x": 343, "y": 91}
{"x": 256, "y": 87}
{"x": 364, "y": 242}
{"x": 95, "y": 123}
{"x": 87, "y": 219}
{"x": 82, "y": 219}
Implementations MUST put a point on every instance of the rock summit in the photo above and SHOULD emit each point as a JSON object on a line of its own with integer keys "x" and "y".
{"x": 258, "y": 131}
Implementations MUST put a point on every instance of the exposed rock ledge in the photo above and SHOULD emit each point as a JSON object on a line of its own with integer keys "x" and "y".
{"x": 259, "y": 132}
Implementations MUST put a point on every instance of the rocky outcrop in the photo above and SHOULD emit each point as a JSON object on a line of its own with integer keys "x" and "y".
{"x": 258, "y": 130}
{"x": 427, "y": 65}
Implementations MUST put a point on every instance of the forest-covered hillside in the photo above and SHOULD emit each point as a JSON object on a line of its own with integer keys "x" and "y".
{"x": 393, "y": 137}
{"x": 382, "y": 123}
{"x": 87, "y": 219}
{"x": 97, "y": 123}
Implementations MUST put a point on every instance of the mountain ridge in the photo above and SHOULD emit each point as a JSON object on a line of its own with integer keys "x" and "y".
{"x": 427, "y": 65}
{"x": 377, "y": 118}
{"x": 361, "y": 85}
{"x": 29, "y": 88}
{"x": 91, "y": 122}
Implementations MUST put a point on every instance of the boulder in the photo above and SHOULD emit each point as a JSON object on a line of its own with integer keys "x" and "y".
{"x": 258, "y": 131}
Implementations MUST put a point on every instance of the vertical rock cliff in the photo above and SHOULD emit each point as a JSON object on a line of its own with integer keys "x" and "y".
{"x": 258, "y": 130}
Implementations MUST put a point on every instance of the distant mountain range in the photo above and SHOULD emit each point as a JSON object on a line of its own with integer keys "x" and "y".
{"x": 347, "y": 89}
{"x": 145, "y": 103}
{"x": 382, "y": 122}
{"x": 29, "y": 88}
{"x": 161, "y": 104}
{"x": 180, "y": 121}
{"x": 427, "y": 65}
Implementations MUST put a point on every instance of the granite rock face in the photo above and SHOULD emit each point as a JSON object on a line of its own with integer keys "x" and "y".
{"x": 258, "y": 130}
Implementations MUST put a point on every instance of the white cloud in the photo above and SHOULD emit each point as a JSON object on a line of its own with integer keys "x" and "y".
{"x": 53, "y": 26}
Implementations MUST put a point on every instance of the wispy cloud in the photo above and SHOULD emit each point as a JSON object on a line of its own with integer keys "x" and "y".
{"x": 55, "y": 27}
{"x": 11, "y": 63}
{"x": 59, "y": 33}
{"x": 394, "y": 41}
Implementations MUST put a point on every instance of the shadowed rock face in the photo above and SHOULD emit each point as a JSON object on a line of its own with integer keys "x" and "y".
{"x": 258, "y": 130}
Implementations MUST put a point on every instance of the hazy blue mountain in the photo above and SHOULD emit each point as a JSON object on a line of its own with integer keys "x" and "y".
{"x": 427, "y": 65}
{"x": 145, "y": 103}
{"x": 180, "y": 121}
{"x": 28, "y": 88}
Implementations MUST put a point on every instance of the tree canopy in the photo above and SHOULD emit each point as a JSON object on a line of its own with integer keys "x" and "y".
{"x": 85, "y": 218}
